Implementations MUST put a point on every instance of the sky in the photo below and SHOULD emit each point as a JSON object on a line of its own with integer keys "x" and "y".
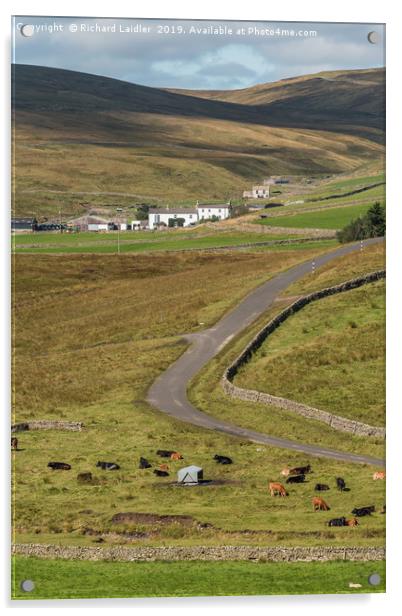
{"x": 195, "y": 54}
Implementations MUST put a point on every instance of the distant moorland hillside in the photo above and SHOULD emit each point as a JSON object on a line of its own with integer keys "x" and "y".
{"x": 82, "y": 140}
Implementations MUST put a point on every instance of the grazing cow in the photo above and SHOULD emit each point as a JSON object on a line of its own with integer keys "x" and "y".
{"x": 319, "y": 504}
{"x": 144, "y": 463}
{"x": 337, "y": 522}
{"x": 84, "y": 477}
{"x": 161, "y": 473}
{"x": 300, "y": 470}
{"x": 297, "y": 470}
{"x": 277, "y": 489}
{"x": 223, "y": 459}
{"x": 164, "y": 453}
{"x": 320, "y": 487}
{"x": 296, "y": 479}
{"x": 340, "y": 484}
{"x": 379, "y": 475}
{"x": 14, "y": 443}
{"x": 176, "y": 456}
{"x": 62, "y": 466}
{"x": 362, "y": 511}
{"x": 108, "y": 466}
{"x": 352, "y": 522}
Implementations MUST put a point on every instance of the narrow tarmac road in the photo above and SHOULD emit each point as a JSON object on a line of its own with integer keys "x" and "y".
{"x": 169, "y": 392}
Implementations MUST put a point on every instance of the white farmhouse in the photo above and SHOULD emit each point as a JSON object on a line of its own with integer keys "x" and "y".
{"x": 184, "y": 217}
{"x": 261, "y": 192}
{"x": 207, "y": 211}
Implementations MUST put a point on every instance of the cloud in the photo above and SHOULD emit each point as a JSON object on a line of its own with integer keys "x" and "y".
{"x": 163, "y": 53}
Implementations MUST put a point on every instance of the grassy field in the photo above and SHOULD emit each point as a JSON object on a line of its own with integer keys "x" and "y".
{"x": 88, "y": 242}
{"x": 330, "y": 355}
{"x": 92, "y": 333}
{"x": 331, "y": 218}
{"x": 74, "y": 580}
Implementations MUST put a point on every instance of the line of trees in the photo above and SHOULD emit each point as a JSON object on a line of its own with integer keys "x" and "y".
{"x": 372, "y": 224}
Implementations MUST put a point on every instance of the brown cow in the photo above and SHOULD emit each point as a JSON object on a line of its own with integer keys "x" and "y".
{"x": 379, "y": 475}
{"x": 277, "y": 488}
{"x": 319, "y": 504}
{"x": 352, "y": 522}
{"x": 14, "y": 443}
{"x": 163, "y": 467}
{"x": 176, "y": 456}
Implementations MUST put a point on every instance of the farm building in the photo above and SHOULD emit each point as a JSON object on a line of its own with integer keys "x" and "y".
{"x": 137, "y": 225}
{"x": 259, "y": 192}
{"x": 23, "y": 224}
{"x": 190, "y": 474}
{"x": 206, "y": 211}
{"x": 171, "y": 217}
{"x": 90, "y": 222}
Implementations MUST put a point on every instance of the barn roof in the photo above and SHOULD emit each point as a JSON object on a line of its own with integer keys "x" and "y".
{"x": 213, "y": 205}
{"x": 173, "y": 210}
{"x": 23, "y": 220}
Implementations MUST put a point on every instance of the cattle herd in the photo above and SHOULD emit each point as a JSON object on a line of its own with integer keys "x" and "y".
{"x": 161, "y": 471}
{"x": 298, "y": 474}
{"x": 293, "y": 475}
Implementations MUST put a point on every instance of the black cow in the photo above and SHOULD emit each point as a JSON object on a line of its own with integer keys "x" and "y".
{"x": 144, "y": 463}
{"x": 108, "y": 466}
{"x": 300, "y": 470}
{"x": 161, "y": 473}
{"x": 320, "y": 487}
{"x": 223, "y": 459}
{"x": 362, "y": 511}
{"x": 340, "y": 484}
{"x": 62, "y": 466}
{"x": 164, "y": 453}
{"x": 296, "y": 479}
{"x": 337, "y": 522}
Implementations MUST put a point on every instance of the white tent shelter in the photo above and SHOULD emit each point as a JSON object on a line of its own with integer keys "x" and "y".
{"x": 190, "y": 474}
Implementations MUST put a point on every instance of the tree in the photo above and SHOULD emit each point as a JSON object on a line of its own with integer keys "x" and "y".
{"x": 372, "y": 224}
{"x": 142, "y": 211}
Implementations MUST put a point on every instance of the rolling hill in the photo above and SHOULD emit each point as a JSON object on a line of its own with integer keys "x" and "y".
{"x": 84, "y": 141}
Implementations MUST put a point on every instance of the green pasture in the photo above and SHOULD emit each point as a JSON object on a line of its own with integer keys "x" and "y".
{"x": 61, "y": 579}
{"x": 330, "y": 218}
{"x": 330, "y": 355}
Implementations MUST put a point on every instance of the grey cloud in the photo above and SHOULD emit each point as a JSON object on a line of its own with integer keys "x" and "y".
{"x": 204, "y": 61}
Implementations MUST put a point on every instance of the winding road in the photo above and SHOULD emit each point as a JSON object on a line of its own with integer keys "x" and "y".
{"x": 169, "y": 392}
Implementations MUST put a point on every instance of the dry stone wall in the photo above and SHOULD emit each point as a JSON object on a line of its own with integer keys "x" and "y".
{"x": 336, "y": 422}
{"x": 269, "y": 554}
{"x": 47, "y": 424}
